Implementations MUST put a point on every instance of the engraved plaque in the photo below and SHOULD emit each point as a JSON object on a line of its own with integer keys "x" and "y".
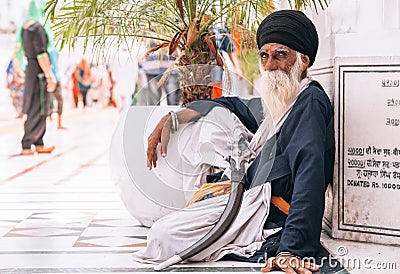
{"x": 368, "y": 170}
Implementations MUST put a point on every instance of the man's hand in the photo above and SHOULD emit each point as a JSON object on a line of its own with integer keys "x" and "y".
{"x": 51, "y": 83}
{"x": 290, "y": 264}
{"x": 159, "y": 135}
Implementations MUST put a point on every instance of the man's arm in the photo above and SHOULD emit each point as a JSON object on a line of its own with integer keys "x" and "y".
{"x": 307, "y": 137}
{"x": 44, "y": 63}
{"x": 306, "y": 152}
{"x": 236, "y": 63}
{"x": 161, "y": 134}
{"x": 249, "y": 113}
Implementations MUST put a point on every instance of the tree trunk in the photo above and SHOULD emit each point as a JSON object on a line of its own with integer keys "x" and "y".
{"x": 195, "y": 74}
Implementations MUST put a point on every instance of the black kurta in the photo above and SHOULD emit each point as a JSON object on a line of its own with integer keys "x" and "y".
{"x": 306, "y": 143}
{"x": 35, "y": 100}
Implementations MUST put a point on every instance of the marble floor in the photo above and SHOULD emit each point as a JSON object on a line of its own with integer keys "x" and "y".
{"x": 60, "y": 213}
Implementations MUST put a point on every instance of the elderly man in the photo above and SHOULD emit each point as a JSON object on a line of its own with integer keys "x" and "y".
{"x": 286, "y": 228}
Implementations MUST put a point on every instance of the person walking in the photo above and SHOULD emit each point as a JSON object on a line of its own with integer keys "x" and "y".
{"x": 125, "y": 69}
{"x": 227, "y": 50}
{"x": 35, "y": 40}
{"x": 154, "y": 66}
{"x": 15, "y": 83}
{"x": 74, "y": 86}
{"x": 57, "y": 94}
{"x": 85, "y": 79}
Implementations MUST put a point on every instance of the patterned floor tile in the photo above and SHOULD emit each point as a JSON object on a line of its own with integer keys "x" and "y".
{"x": 110, "y": 242}
{"x": 4, "y": 231}
{"x": 64, "y": 215}
{"x": 65, "y": 223}
{"x": 115, "y": 231}
{"x": 8, "y": 215}
{"x": 113, "y": 214}
{"x": 133, "y": 230}
{"x": 115, "y": 222}
{"x": 27, "y": 244}
{"x": 8, "y": 224}
{"x": 43, "y": 232}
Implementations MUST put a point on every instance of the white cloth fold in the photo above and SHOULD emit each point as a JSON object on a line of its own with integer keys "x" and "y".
{"x": 178, "y": 231}
{"x": 201, "y": 147}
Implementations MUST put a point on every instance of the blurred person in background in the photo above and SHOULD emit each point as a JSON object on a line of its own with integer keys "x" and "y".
{"x": 74, "y": 86}
{"x": 34, "y": 40}
{"x": 110, "y": 76}
{"x": 85, "y": 80}
{"x": 57, "y": 94}
{"x": 100, "y": 91}
{"x": 154, "y": 66}
{"x": 139, "y": 97}
{"x": 124, "y": 69}
{"x": 15, "y": 79}
{"x": 227, "y": 50}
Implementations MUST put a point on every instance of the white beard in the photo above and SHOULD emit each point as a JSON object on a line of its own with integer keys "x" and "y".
{"x": 281, "y": 89}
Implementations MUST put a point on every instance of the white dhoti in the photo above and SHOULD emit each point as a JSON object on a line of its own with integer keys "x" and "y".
{"x": 179, "y": 230}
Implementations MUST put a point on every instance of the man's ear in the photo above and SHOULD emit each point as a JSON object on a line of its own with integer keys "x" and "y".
{"x": 306, "y": 61}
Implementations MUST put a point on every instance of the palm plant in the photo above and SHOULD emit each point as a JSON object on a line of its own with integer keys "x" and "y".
{"x": 179, "y": 25}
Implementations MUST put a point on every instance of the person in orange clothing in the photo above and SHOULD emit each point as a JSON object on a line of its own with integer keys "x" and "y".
{"x": 84, "y": 75}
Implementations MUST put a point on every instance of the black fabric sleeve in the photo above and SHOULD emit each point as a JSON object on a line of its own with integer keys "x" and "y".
{"x": 37, "y": 37}
{"x": 249, "y": 112}
{"x": 306, "y": 134}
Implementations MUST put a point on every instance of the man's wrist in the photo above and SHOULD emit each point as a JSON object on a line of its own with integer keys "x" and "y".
{"x": 49, "y": 76}
{"x": 175, "y": 121}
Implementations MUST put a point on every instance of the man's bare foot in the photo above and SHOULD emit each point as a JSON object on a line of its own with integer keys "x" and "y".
{"x": 27, "y": 151}
{"x": 43, "y": 149}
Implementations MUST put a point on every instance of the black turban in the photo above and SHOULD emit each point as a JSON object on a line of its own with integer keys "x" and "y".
{"x": 291, "y": 28}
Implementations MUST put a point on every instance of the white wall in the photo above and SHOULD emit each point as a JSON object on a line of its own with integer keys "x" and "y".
{"x": 12, "y": 11}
